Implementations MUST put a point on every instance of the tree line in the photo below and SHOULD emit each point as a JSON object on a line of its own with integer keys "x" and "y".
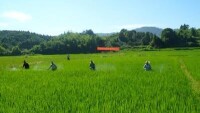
{"x": 24, "y": 42}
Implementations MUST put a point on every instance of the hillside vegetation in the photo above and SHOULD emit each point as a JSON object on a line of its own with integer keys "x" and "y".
{"x": 20, "y": 42}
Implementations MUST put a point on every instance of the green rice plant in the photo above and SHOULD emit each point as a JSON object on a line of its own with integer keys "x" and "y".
{"x": 119, "y": 83}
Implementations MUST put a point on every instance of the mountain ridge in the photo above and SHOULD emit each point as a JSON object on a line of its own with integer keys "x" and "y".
{"x": 155, "y": 30}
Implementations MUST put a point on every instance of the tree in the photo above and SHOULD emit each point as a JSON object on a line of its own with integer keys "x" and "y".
{"x": 122, "y": 35}
{"x": 3, "y": 51}
{"x": 146, "y": 39}
{"x": 169, "y": 37}
{"x": 193, "y": 32}
{"x": 184, "y": 32}
{"x": 131, "y": 35}
{"x": 184, "y": 27}
{"x": 16, "y": 51}
{"x": 89, "y": 32}
{"x": 156, "y": 42}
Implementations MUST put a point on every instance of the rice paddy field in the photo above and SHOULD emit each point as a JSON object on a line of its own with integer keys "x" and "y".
{"x": 118, "y": 85}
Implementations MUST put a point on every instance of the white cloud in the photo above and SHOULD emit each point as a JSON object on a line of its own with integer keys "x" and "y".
{"x": 19, "y": 16}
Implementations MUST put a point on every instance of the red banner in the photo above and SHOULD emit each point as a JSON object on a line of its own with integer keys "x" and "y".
{"x": 108, "y": 48}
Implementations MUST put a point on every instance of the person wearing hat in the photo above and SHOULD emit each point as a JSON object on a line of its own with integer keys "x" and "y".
{"x": 147, "y": 66}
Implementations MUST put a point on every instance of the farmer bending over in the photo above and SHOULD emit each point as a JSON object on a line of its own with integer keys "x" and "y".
{"x": 147, "y": 66}
{"x": 92, "y": 65}
{"x": 25, "y": 65}
{"x": 53, "y": 66}
{"x": 68, "y": 57}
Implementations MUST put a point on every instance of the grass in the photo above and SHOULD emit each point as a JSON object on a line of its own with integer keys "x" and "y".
{"x": 119, "y": 84}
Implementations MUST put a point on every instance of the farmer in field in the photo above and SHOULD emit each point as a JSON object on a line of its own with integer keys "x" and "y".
{"x": 92, "y": 65}
{"x": 53, "y": 67}
{"x": 25, "y": 65}
{"x": 147, "y": 66}
{"x": 68, "y": 57}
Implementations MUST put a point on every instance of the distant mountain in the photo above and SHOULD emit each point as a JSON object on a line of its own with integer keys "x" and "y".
{"x": 104, "y": 34}
{"x": 153, "y": 30}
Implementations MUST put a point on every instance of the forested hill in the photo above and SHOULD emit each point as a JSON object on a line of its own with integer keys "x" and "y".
{"x": 24, "y": 42}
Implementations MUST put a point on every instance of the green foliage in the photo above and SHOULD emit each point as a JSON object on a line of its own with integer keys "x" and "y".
{"x": 119, "y": 83}
{"x": 16, "y": 51}
{"x": 70, "y": 43}
{"x": 133, "y": 38}
{"x": 3, "y": 51}
{"x": 156, "y": 42}
{"x": 147, "y": 38}
{"x": 182, "y": 37}
{"x": 88, "y": 32}
{"x": 88, "y": 41}
{"x": 123, "y": 35}
{"x": 22, "y": 39}
{"x": 169, "y": 38}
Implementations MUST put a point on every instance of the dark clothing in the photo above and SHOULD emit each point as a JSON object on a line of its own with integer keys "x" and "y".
{"x": 68, "y": 58}
{"x": 53, "y": 67}
{"x": 26, "y": 65}
{"x": 147, "y": 67}
{"x": 92, "y": 65}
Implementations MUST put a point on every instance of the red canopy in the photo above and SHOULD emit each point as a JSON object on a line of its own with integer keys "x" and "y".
{"x": 108, "y": 48}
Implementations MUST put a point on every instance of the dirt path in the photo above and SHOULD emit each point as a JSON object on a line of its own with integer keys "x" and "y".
{"x": 194, "y": 83}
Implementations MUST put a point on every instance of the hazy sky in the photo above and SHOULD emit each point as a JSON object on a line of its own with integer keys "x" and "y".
{"x": 54, "y": 17}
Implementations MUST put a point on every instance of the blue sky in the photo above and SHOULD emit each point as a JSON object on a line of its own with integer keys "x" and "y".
{"x": 54, "y": 17}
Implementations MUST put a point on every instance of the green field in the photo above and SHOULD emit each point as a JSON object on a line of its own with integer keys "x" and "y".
{"x": 119, "y": 83}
